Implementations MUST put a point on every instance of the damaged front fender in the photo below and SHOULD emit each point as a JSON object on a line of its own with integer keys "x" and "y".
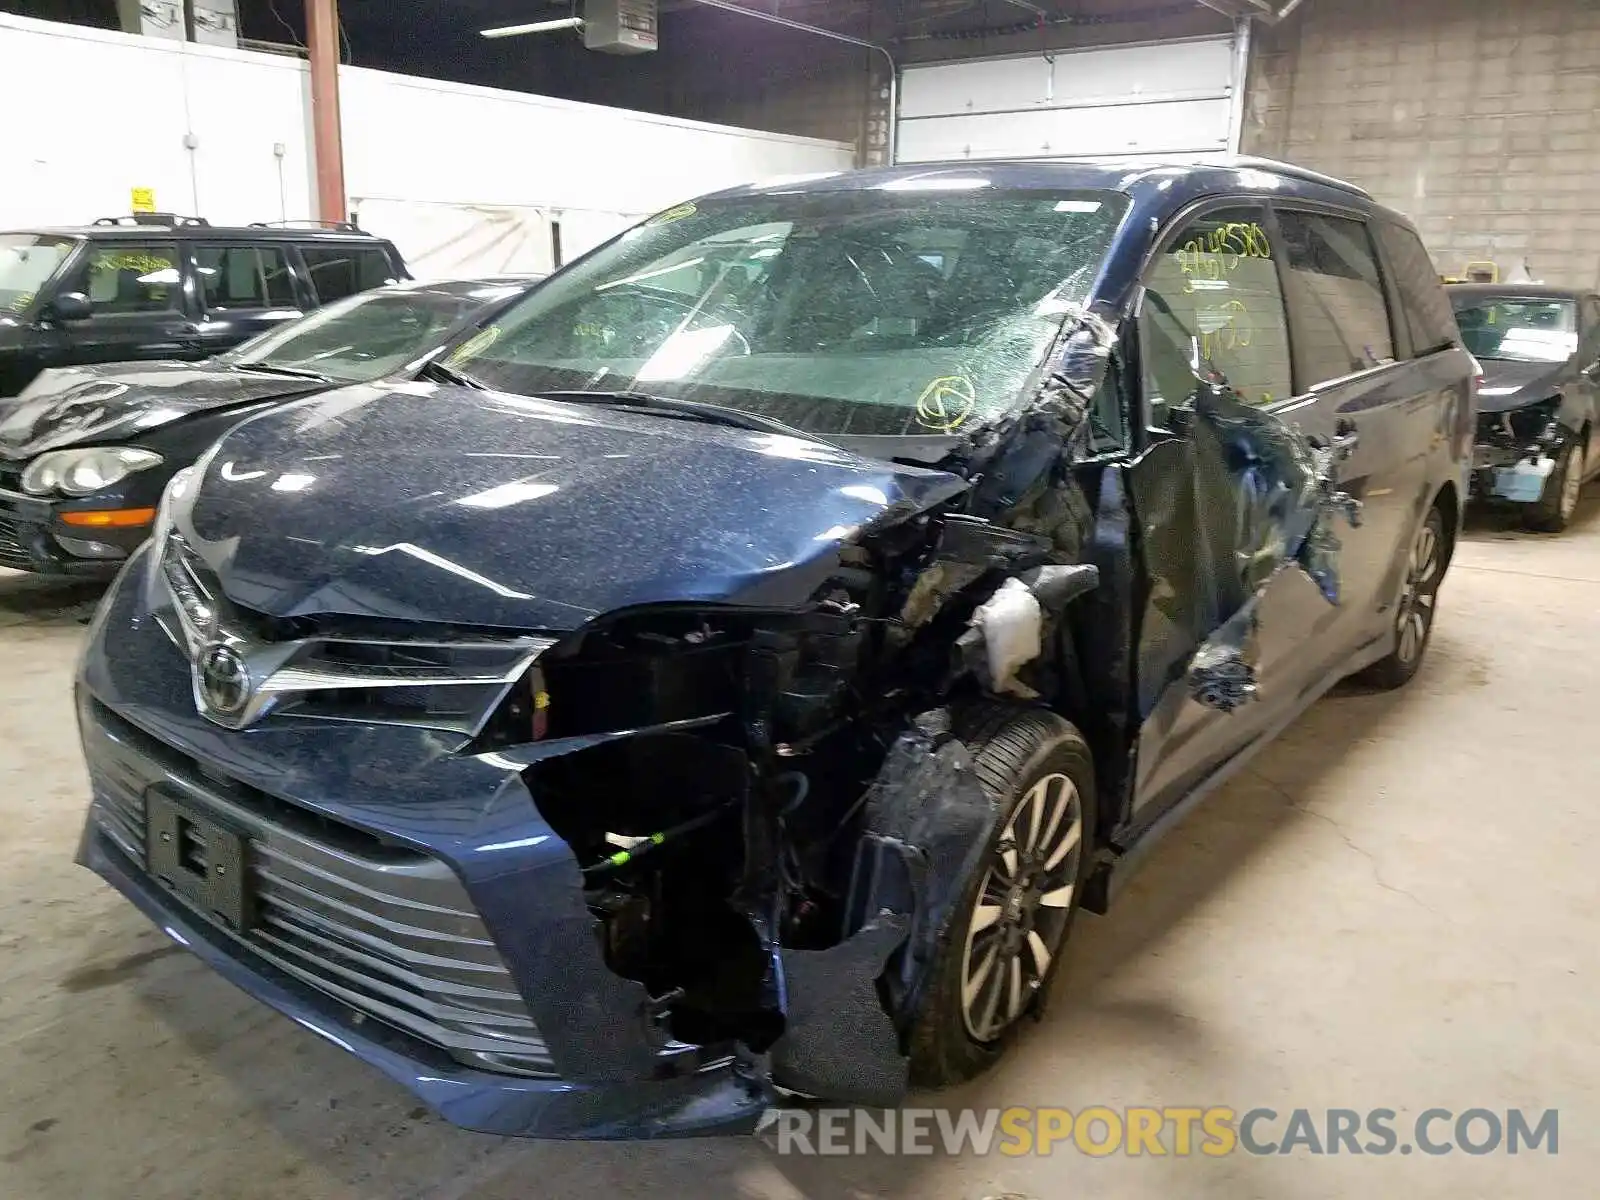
{"x": 928, "y": 822}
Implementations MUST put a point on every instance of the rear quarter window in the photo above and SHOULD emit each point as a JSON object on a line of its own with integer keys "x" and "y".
{"x": 340, "y": 271}
{"x": 1428, "y": 316}
{"x": 1337, "y": 306}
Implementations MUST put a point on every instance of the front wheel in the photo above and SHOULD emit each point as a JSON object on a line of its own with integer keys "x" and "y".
{"x": 1006, "y": 935}
{"x": 1418, "y": 603}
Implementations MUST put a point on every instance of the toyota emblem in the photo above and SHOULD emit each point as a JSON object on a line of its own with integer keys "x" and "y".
{"x": 224, "y": 680}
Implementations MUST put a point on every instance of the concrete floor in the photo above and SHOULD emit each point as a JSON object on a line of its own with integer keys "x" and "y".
{"x": 1394, "y": 908}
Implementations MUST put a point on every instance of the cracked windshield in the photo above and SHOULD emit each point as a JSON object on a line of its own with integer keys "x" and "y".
{"x": 898, "y": 311}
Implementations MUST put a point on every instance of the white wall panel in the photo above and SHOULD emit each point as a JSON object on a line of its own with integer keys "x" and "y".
{"x": 111, "y": 111}
{"x": 1160, "y": 99}
{"x": 429, "y": 140}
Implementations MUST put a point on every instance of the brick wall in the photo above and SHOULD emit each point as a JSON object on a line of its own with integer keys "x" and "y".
{"x": 1480, "y": 119}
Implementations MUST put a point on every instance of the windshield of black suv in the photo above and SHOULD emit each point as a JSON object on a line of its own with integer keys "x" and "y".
{"x": 27, "y": 261}
{"x": 362, "y": 337}
{"x": 896, "y": 310}
{"x": 1529, "y": 330}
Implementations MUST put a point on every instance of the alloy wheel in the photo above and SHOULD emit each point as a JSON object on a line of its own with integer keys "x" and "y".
{"x": 1422, "y": 590}
{"x": 1023, "y": 907}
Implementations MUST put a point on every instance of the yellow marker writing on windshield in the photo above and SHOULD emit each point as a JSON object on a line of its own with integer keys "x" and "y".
{"x": 674, "y": 214}
{"x": 946, "y": 403}
{"x": 476, "y": 344}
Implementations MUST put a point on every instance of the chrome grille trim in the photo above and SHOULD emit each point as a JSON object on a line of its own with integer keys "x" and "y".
{"x": 12, "y": 552}
{"x": 303, "y": 671}
{"x": 396, "y": 938}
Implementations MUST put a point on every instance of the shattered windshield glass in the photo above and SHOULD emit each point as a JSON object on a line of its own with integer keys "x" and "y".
{"x": 894, "y": 310}
{"x": 1520, "y": 330}
{"x": 27, "y": 261}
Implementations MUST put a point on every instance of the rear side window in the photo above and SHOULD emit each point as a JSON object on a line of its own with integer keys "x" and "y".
{"x": 245, "y": 277}
{"x": 1336, "y": 300}
{"x": 340, "y": 271}
{"x": 1212, "y": 296}
{"x": 1428, "y": 315}
{"x": 132, "y": 278}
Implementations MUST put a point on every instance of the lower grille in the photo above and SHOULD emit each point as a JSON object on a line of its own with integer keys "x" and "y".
{"x": 391, "y": 933}
{"x": 13, "y": 553}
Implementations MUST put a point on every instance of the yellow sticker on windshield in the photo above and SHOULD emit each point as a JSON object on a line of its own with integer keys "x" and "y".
{"x": 475, "y": 345}
{"x": 674, "y": 214}
{"x": 946, "y": 403}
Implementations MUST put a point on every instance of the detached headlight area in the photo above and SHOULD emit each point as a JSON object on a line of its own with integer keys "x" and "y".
{"x": 83, "y": 472}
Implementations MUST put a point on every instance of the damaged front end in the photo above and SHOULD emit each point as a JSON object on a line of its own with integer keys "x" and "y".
{"x": 769, "y": 841}
{"x": 1517, "y": 451}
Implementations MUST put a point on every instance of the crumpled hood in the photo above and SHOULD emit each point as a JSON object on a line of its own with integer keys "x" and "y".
{"x": 1510, "y": 385}
{"x": 419, "y": 502}
{"x": 76, "y": 406}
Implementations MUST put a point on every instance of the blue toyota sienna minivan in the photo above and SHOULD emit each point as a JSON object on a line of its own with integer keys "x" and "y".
{"x": 728, "y": 671}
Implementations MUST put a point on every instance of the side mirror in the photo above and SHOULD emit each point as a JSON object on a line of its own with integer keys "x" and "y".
{"x": 71, "y": 306}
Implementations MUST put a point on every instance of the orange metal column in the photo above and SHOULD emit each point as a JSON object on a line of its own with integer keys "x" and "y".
{"x": 322, "y": 28}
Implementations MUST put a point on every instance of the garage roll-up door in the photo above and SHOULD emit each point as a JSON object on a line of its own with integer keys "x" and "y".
{"x": 1167, "y": 99}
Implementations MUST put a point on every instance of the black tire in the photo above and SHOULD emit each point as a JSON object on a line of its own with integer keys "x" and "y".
{"x": 1556, "y": 507}
{"x": 1418, "y": 606}
{"x": 1013, "y": 749}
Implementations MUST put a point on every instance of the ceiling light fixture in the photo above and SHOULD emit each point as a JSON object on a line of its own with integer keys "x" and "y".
{"x": 532, "y": 27}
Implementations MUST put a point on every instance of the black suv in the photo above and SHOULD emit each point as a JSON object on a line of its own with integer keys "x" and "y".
{"x": 160, "y": 286}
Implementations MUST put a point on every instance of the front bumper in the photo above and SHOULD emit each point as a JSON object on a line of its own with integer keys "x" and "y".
{"x": 34, "y": 538}
{"x": 1509, "y": 464}
{"x": 1517, "y": 476}
{"x": 360, "y": 813}
{"x": 718, "y": 1099}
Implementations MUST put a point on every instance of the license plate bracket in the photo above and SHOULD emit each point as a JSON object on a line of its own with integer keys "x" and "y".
{"x": 200, "y": 858}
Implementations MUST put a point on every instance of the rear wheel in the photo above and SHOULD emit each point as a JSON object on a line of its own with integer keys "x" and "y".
{"x": 1418, "y": 602}
{"x": 1554, "y": 511}
{"x": 1003, "y": 942}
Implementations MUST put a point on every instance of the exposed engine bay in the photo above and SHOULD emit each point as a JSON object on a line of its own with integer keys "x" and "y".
{"x": 731, "y": 820}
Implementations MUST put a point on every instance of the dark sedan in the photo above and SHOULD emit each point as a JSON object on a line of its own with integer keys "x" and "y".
{"x": 1538, "y": 433}
{"x": 85, "y": 452}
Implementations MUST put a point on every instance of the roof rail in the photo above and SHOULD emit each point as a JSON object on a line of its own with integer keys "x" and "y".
{"x": 173, "y": 220}
{"x": 337, "y": 226}
{"x": 1297, "y": 172}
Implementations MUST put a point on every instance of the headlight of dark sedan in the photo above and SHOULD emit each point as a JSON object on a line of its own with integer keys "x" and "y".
{"x": 86, "y": 471}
